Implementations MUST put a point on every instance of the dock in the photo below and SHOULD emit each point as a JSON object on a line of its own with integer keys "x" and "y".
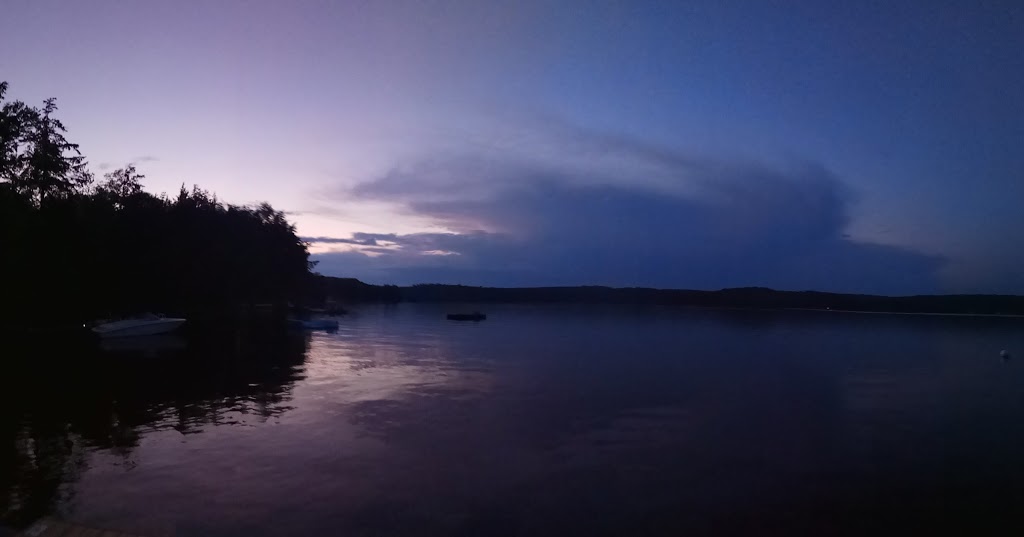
{"x": 51, "y": 527}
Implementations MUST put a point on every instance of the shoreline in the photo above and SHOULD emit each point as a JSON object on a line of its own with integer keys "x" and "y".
{"x": 915, "y": 313}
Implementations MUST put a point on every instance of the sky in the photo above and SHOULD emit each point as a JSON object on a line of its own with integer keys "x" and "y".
{"x": 876, "y": 146}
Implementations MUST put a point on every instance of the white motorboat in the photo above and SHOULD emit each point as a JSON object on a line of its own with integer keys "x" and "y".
{"x": 147, "y": 325}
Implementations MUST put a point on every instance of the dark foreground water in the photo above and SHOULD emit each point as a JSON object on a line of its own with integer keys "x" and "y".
{"x": 540, "y": 421}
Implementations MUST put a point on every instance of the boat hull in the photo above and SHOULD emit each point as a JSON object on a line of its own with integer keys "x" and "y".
{"x": 136, "y": 329}
{"x": 313, "y": 324}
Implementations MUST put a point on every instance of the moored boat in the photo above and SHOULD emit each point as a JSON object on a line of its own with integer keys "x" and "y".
{"x": 146, "y": 325}
{"x": 313, "y": 324}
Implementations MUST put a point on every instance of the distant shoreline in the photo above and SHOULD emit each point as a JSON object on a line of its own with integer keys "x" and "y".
{"x": 915, "y": 313}
{"x": 344, "y": 290}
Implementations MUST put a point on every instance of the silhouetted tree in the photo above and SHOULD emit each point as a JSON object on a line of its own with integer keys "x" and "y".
{"x": 15, "y": 118}
{"x": 71, "y": 253}
{"x": 37, "y": 159}
{"x": 121, "y": 184}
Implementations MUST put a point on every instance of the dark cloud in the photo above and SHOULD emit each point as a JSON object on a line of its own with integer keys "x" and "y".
{"x": 106, "y": 166}
{"x": 362, "y": 239}
{"x": 703, "y": 224}
{"x": 326, "y": 212}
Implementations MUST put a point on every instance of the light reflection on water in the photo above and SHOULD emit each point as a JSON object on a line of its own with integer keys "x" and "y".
{"x": 539, "y": 421}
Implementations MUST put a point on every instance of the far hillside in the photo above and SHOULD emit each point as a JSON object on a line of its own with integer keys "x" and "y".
{"x": 352, "y": 290}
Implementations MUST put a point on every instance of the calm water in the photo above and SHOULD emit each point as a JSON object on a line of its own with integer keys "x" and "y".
{"x": 540, "y": 421}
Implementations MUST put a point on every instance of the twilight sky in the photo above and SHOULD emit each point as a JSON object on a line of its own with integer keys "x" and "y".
{"x": 876, "y": 146}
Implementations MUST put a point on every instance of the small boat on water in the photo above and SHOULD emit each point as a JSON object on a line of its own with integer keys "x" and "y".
{"x": 146, "y": 325}
{"x": 332, "y": 311}
{"x": 475, "y": 316}
{"x": 313, "y": 324}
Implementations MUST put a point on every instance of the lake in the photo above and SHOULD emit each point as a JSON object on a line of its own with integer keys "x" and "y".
{"x": 540, "y": 421}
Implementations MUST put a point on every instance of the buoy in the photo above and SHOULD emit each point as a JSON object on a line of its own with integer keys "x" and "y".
{"x": 1004, "y": 353}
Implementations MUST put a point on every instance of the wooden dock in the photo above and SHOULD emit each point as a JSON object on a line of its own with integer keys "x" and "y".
{"x": 50, "y": 527}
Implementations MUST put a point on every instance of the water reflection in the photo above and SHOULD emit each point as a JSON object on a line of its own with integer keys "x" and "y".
{"x": 375, "y": 379}
{"x": 147, "y": 346}
{"x": 541, "y": 421}
{"x": 65, "y": 399}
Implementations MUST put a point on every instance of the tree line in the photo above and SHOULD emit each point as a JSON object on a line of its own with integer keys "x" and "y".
{"x": 74, "y": 248}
